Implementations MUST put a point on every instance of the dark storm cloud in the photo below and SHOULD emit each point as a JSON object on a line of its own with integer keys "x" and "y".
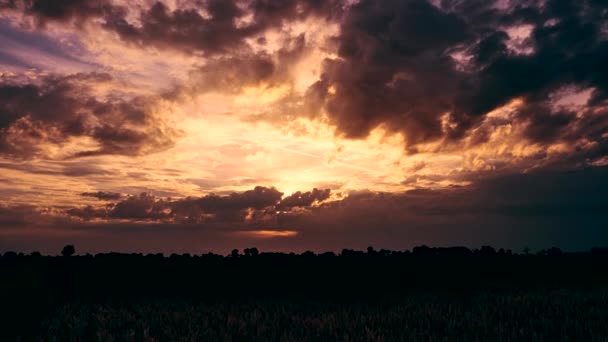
{"x": 60, "y": 10}
{"x": 397, "y": 66}
{"x": 145, "y": 206}
{"x": 219, "y": 31}
{"x": 141, "y": 207}
{"x": 58, "y": 108}
{"x": 207, "y": 27}
{"x": 184, "y": 29}
{"x": 567, "y": 51}
{"x": 227, "y": 208}
{"x": 103, "y": 195}
{"x": 258, "y": 198}
{"x": 66, "y": 9}
{"x": 392, "y": 69}
{"x": 258, "y": 204}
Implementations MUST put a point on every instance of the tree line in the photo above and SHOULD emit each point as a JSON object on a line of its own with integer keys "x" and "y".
{"x": 418, "y": 251}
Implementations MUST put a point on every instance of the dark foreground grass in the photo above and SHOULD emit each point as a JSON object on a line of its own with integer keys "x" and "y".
{"x": 526, "y": 315}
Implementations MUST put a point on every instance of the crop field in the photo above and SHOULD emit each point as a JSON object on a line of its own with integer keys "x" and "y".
{"x": 528, "y": 315}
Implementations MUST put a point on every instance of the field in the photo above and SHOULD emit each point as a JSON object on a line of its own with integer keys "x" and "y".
{"x": 556, "y": 315}
{"x": 427, "y": 295}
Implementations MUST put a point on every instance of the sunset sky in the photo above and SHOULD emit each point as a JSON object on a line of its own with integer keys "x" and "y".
{"x": 292, "y": 125}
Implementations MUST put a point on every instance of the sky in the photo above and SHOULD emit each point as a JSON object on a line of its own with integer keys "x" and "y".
{"x": 194, "y": 126}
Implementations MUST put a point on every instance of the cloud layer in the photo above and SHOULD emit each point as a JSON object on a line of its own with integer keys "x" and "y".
{"x": 257, "y": 206}
{"x": 511, "y": 211}
{"x": 56, "y": 109}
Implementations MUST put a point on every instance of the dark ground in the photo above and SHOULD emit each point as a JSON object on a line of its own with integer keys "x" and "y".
{"x": 430, "y": 294}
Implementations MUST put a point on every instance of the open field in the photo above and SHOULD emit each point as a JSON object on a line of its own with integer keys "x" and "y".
{"x": 555, "y": 315}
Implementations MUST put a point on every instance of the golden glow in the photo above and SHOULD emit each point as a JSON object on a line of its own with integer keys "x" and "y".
{"x": 260, "y": 96}
{"x": 266, "y": 234}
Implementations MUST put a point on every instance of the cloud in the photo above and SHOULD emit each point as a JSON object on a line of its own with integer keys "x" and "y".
{"x": 88, "y": 212}
{"x": 82, "y": 170}
{"x": 103, "y": 195}
{"x": 392, "y": 69}
{"x": 223, "y": 28}
{"x": 538, "y": 210}
{"x": 233, "y": 73}
{"x": 433, "y": 73}
{"x": 25, "y": 216}
{"x": 15, "y": 215}
{"x": 303, "y": 199}
{"x": 140, "y": 207}
{"x": 8, "y": 4}
{"x": 207, "y": 27}
{"x": 27, "y": 50}
{"x": 59, "y": 108}
{"x": 184, "y": 29}
{"x": 557, "y": 60}
{"x": 77, "y": 11}
{"x": 251, "y": 206}
{"x": 492, "y": 196}
{"x": 232, "y": 207}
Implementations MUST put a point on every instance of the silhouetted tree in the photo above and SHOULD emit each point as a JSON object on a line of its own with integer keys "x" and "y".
{"x": 422, "y": 251}
{"x": 251, "y": 252}
{"x": 234, "y": 253}
{"x": 68, "y": 250}
{"x": 384, "y": 252}
{"x": 554, "y": 251}
{"x": 599, "y": 251}
{"x": 487, "y": 251}
{"x": 351, "y": 253}
{"x": 457, "y": 251}
{"x": 10, "y": 255}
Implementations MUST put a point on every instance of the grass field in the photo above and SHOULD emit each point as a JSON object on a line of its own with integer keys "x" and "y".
{"x": 528, "y": 315}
